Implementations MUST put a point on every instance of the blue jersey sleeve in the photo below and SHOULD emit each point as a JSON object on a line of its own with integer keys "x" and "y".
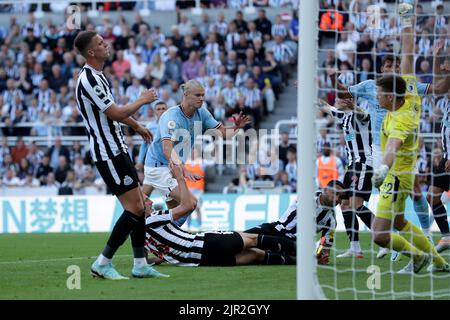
{"x": 144, "y": 146}
{"x": 208, "y": 120}
{"x": 363, "y": 90}
{"x": 168, "y": 123}
{"x": 422, "y": 88}
{"x": 142, "y": 152}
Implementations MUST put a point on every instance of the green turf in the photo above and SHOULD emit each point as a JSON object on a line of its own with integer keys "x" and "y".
{"x": 33, "y": 266}
{"x": 392, "y": 285}
{"x": 22, "y": 276}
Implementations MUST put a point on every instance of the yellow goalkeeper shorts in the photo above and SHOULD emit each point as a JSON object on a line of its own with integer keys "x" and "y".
{"x": 393, "y": 194}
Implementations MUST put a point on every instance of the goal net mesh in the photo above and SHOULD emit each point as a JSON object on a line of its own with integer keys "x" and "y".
{"x": 355, "y": 42}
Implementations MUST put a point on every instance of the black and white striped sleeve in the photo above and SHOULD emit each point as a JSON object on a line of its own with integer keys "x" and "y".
{"x": 94, "y": 89}
{"x": 158, "y": 219}
{"x": 337, "y": 114}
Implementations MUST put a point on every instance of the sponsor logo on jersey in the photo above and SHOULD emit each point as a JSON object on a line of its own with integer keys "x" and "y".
{"x": 127, "y": 180}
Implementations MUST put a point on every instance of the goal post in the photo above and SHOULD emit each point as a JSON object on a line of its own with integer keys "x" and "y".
{"x": 307, "y": 287}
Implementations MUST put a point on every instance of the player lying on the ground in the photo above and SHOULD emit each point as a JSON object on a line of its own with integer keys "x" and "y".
{"x": 399, "y": 144}
{"x": 286, "y": 226}
{"x": 170, "y": 243}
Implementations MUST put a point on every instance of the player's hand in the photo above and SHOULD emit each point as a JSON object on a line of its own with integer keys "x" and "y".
{"x": 344, "y": 104}
{"x": 148, "y": 96}
{"x": 447, "y": 166}
{"x": 177, "y": 170}
{"x": 148, "y": 205}
{"x": 192, "y": 176}
{"x": 241, "y": 121}
{"x": 144, "y": 133}
{"x": 379, "y": 175}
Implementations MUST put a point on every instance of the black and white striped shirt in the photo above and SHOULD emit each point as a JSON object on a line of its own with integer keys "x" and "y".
{"x": 94, "y": 97}
{"x": 444, "y": 105}
{"x": 358, "y": 137}
{"x": 252, "y": 97}
{"x": 279, "y": 30}
{"x": 325, "y": 221}
{"x": 282, "y": 53}
{"x": 169, "y": 242}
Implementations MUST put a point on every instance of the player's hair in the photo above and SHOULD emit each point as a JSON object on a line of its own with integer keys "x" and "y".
{"x": 190, "y": 84}
{"x": 157, "y": 103}
{"x": 334, "y": 183}
{"x": 391, "y": 58}
{"x": 83, "y": 40}
{"x": 392, "y": 84}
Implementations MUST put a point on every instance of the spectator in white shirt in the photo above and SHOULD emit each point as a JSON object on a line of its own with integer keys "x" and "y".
{"x": 139, "y": 67}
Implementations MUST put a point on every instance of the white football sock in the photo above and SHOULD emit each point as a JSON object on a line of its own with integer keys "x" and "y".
{"x": 140, "y": 262}
{"x": 102, "y": 260}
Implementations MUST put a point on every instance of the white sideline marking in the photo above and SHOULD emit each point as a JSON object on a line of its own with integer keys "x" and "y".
{"x": 57, "y": 260}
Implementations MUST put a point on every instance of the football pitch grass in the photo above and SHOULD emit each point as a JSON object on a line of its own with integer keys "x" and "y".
{"x": 34, "y": 266}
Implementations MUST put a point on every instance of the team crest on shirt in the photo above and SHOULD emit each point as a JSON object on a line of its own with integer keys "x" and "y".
{"x": 410, "y": 85}
{"x": 171, "y": 124}
{"x": 98, "y": 90}
{"x": 127, "y": 180}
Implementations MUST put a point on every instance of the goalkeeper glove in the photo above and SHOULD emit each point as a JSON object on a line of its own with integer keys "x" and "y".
{"x": 379, "y": 175}
{"x": 405, "y": 10}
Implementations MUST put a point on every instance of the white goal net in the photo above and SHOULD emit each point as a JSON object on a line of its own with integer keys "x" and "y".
{"x": 374, "y": 130}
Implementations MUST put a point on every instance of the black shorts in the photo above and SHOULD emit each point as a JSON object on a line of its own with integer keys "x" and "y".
{"x": 358, "y": 181}
{"x": 221, "y": 248}
{"x": 265, "y": 229}
{"x": 440, "y": 177}
{"x": 118, "y": 173}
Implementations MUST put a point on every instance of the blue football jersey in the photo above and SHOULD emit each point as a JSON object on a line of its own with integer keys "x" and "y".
{"x": 182, "y": 130}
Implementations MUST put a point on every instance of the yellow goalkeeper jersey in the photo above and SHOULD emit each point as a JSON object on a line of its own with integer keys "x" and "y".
{"x": 403, "y": 124}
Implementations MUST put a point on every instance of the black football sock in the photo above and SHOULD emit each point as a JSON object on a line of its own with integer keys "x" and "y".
{"x": 276, "y": 244}
{"x": 366, "y": 215}
{"x": 124, "y": 225}
{"x": 351, "y": 225}
{"x": 138, "y": 238}
{"x": 440, "y": 215}
{"x": 272, "y": 258}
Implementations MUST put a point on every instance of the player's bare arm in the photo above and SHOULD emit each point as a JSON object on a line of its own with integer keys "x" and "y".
{"x": 441, "y": 73}
{"x": 140, "y": 129}
{"x": 342, "y": 90}
{"x": 173, "y": 158}
{"x": 407, "y": 62}
{"x": 187, "y": 203}
{"x": 119, "y": 113}
{"x": 240, "y": 122}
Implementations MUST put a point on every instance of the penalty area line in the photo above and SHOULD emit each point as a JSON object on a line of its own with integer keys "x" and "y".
{"x": 57, "y": 260}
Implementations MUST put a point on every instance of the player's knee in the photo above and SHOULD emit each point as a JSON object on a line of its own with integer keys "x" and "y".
{"x": 137, "y": 208}
{"x": 192, "y": 205}
{"x": 381, "y": 239}
{"x": 433, "y": 199}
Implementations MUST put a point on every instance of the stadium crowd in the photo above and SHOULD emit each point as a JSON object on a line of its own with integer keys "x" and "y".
{"x": 243, "y": 65}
